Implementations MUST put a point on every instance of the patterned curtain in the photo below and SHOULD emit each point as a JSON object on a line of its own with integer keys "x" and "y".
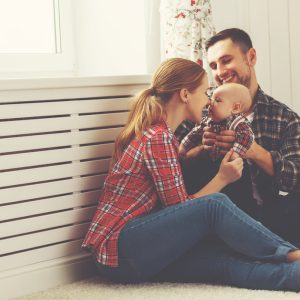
{"x": 186, "y": 25}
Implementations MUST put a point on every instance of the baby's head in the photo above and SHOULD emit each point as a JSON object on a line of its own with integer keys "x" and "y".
{"x": 229, "y": 99}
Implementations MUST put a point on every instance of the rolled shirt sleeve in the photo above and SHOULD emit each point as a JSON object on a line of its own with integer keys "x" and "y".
{"x": 286, "y": 161}
{"x": 277, "y": 129}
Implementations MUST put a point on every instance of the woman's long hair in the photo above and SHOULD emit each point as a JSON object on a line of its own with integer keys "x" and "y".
{"x": 148, "y": 106}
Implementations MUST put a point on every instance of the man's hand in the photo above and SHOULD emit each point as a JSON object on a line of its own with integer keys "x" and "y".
{"x": 194, "y": 152}
{"x": 209, "y": 138}
{"x": 225, "y": 140}
{"x": 261, "y": 157}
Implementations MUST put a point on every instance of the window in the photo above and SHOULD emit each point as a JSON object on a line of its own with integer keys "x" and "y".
{"x": 55, "y": 38}
{"x": 36, "y": 38}
{"x": 28, "y": 33}
{"x": 118, "y": 37}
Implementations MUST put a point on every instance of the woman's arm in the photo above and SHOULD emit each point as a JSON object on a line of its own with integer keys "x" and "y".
{"x": 162, "y": 162}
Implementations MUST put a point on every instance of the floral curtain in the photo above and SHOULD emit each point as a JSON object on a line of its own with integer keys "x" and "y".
{"x": 186, "y": 25}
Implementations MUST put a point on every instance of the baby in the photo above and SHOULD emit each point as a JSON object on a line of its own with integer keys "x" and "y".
{"x": 227, "y": 106}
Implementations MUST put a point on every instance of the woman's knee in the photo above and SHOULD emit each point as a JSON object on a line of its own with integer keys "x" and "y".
{"x": 216, "y": 198}
{"x": 222, "y": 197}
{"x": 219, "y": 201}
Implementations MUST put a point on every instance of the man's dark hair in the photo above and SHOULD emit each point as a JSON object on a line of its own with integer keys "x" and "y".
{"x": 238, "y": 36}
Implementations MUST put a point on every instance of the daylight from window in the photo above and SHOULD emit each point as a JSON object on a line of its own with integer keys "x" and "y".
{"x": 27, "y": 26}
{"x": 83, "y": 37}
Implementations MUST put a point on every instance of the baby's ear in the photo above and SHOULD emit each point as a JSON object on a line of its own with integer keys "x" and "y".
{"x": 237, "y": 108}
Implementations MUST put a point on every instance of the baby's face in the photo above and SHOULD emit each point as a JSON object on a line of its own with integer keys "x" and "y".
{"x": 220, "y": 107}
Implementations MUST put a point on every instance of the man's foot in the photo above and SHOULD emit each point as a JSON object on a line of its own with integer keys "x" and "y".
{"x": 293, "y": 256}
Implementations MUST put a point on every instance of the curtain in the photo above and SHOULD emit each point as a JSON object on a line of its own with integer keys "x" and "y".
{"x": 185, "y": 27}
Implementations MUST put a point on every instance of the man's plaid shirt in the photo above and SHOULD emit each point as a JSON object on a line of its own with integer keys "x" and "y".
{"x": 148, "y": 174}
{"x": 277, "y": 129}
{"x": 239, "y": 123}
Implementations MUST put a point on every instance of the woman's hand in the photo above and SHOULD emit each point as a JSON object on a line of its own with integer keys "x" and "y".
{"x": 230, "y": 170}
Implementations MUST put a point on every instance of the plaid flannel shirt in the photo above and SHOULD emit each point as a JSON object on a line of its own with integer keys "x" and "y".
{"x": 148, "y": 174}
{"x": 238, "y": 123}
{"x": 277, "y": 129}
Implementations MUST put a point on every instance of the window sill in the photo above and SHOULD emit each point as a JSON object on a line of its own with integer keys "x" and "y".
{"x": 66, "y": 82}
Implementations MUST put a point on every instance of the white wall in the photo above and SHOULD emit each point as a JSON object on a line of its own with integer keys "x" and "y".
{"x": 273, "y": 27}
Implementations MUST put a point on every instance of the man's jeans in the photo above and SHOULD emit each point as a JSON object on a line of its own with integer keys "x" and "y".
{"x": 171, "y": 245}
{"x": 282, "y": 216}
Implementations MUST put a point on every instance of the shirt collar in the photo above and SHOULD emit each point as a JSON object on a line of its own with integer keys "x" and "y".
{"x": 165, "y": 124}
{"x": 260, "y": 97}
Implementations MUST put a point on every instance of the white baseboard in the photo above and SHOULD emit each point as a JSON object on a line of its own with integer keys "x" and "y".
{"x": 45, "y": 275}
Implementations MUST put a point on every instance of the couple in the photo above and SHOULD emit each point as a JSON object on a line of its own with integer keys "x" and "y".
{"x": 146, "y": 225}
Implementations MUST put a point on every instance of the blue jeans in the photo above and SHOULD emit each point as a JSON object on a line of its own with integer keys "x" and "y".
{"x": 173, "y": 244}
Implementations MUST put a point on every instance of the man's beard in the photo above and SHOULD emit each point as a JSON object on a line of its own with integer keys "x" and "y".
{"x": 245, "y": 80}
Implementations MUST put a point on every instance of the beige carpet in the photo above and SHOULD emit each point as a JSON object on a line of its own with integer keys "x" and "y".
{"x": 95, "y": 289}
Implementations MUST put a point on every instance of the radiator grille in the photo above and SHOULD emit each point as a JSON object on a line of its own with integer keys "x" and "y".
{"x": 54, "y": 156}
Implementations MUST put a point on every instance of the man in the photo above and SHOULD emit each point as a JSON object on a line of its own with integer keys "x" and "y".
{"x": 274, "y": 157}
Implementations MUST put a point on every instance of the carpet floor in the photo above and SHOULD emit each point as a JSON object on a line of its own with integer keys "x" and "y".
{"x": 95, "y": 289}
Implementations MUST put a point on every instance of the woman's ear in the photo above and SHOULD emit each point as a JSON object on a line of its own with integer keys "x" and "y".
{"x": 184, "y": 94}
{"x": 237, "y": 108}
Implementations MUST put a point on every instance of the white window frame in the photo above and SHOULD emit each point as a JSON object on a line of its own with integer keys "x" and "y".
{"x": 44, "y": 64}
{"x": 153, "y": 39}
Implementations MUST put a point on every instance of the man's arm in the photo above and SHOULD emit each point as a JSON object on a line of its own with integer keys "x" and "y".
{"x": 283, "y": 164}
{"x": 286, "y": 159}
{"x": 225, "y": 141}
{"x": 183, "y": 129}
{"x": 261, "y": 157}
{"x": 190, "y": 138}
{"x": 193, "y": 138}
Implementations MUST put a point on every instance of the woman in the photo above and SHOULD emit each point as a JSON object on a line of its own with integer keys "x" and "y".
{"x": 146, "y": 226}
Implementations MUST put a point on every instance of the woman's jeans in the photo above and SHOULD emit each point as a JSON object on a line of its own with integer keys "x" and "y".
{"x": 173, "y": 244}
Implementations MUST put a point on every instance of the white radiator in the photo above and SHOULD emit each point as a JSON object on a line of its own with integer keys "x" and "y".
{"x": 55, "y": 148}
